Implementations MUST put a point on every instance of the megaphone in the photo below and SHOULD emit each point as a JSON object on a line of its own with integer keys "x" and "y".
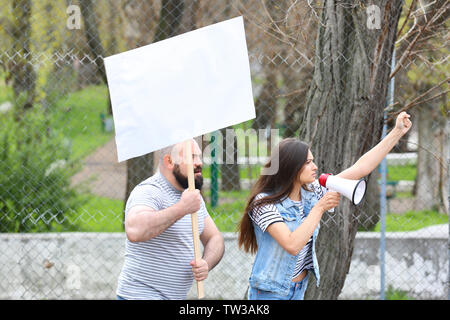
{"x": 351, "y": 189}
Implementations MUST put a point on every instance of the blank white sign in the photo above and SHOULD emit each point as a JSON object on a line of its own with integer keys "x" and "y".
{"x": 180, "y": 88}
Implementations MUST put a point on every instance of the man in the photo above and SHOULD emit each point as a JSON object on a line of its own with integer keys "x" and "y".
{"x": 159, "y": 252}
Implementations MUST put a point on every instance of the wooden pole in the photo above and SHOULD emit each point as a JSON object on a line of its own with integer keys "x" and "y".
{"x": 194, "y": 216}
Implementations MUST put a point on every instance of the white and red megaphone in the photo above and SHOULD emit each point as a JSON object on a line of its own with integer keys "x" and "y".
{"x": 351, "y": 189}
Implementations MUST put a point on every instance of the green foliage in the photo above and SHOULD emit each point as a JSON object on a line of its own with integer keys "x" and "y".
{"x": 394, "y": 294}
{"x": 6, "y": 92}
{"x": 35, "y": 170}
{"x": 56, "y": 136}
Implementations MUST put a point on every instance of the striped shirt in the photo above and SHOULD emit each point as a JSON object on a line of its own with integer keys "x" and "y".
{"x": 268, "y": 214}
{"x": 159, "y": 268}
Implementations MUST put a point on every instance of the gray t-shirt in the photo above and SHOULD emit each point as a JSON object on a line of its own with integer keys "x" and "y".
{"x": 159, "y": 268}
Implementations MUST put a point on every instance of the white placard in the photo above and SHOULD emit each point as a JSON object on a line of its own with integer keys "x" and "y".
{"x": 180, "y": 88}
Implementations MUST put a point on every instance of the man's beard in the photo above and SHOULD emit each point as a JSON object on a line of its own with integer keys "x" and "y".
{"x": 183, "y": 180}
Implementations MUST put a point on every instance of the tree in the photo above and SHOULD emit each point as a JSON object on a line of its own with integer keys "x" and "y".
{"x": 422, "y": 70}
{"x": 286, "y": 74}
{"x": 93, "y": 40}
{"x": 229, "y": 169}
{"x": 344, "y": 114}
{"x": 431, "y": 180}
{"x": 266, "y": 102}
{"x": 20, "y": 71}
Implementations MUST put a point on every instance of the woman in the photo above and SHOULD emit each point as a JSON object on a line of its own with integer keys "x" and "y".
{"x": 281, "y": 219}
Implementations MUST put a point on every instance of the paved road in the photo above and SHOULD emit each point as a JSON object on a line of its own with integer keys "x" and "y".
{"x": 105, "y": 176}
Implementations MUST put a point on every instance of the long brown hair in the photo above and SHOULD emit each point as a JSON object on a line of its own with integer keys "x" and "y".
{"x": 291, "y": 155}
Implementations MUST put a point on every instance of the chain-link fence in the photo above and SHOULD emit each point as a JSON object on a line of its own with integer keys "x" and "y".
{"x": 329, "y": 72}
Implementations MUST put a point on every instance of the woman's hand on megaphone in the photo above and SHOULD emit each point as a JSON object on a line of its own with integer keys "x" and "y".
{"x": 329, "y": 201}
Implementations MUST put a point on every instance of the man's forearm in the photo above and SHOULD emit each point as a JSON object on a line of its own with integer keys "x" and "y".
{"x": 213, "y": 251}
{"x": 145, "y": 224}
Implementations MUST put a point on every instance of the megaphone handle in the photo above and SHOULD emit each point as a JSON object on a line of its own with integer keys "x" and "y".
{"x": 332, "y": 209}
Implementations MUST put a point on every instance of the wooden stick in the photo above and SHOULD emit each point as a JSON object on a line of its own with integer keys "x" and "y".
{"x": 194, "y": 217}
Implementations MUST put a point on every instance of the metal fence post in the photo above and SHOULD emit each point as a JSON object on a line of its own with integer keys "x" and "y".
{"x": 448, "y": 199}
{"x": 383, "y": 219}
{"x": 389, "y": 102}
{"x": 214, "y": 171}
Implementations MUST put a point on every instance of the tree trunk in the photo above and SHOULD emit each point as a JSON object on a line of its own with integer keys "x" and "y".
{"x": 297, "y": 75}
{"x": 369, "y": 215}
{"x": 431, "y": 178}
{"x": 169, "y": 19}
{"x": 266, "y": 104}
{"x": 295, "y": 102}
{"x": 138, "y": 169}
{"x": 113, "y": 27}
{"x": 93, "y": 40}
{"x": 344, "y": 116}
{"x": 21, "y": 70}
{"x": 229, "y": 169}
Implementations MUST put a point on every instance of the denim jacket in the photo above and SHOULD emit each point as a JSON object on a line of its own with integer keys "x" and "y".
{"x": 273, "y": 267}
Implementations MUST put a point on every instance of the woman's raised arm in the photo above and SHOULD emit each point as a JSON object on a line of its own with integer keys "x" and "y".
{"x": 372, "y": 158}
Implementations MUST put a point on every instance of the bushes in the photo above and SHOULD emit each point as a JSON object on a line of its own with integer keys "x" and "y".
{"x": 35, "y": 170}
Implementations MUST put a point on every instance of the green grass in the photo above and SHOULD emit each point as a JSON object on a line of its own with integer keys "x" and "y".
{"x": 395, "y": 173}
{"x": 404, "y": 172}
{"x": 99, "y": 214}
{"x": 245, "y": 172}
{"x": 78, "y": 117}
{"x": 230, "y": 209}
{"x": 412, "y": 220}
{"x": 403, "y": 195}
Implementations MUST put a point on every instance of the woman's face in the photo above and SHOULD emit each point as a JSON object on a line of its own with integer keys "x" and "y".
{"x": 309, "y": 170}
